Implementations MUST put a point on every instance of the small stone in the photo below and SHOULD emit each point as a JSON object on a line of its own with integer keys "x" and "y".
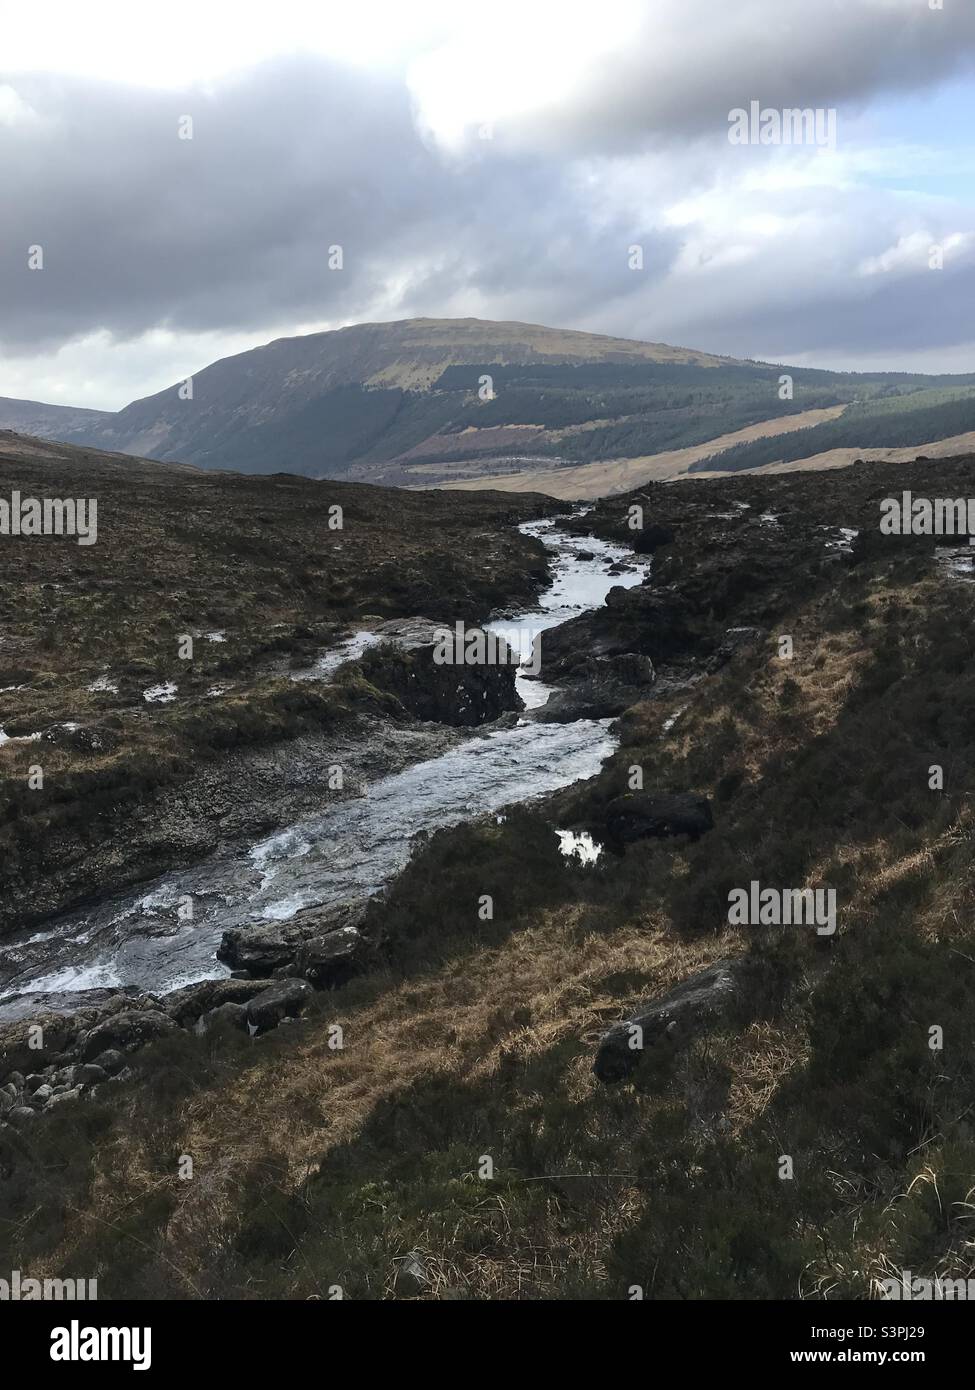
{"x": 89, "y": 1073}
{"x": 411, "y": 1275}
{"x": 64, "y": 1098}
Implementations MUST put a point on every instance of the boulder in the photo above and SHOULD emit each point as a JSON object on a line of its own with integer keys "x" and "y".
{"x": 230, "y": 1013}
{"x": 65, "y": 1098}
{"x": 643, "y": 815}
{"x": 651, "y": 538}
{"x": 659, "y": 623}
{"x": 458, "y": 692}
{"x": 267, "y": 947}
{"x": 125, "y": 1031}
{"x": 669, "y": 1021}
{"x": 88, "y": 1075}
{"x": 110, "y": 1061}
{"x": 187, "y": 1004}
{"x": 47, "y": 1037}
{"x": 600, "y": 688}
{"x": 330, "y": 960}
{"x": 285, "y": 999}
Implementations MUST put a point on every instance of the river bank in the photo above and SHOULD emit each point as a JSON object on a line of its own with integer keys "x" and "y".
{"x": 165, "y": 935}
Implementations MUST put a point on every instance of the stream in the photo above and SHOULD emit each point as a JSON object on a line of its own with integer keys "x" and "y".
{"x": 350, "y": 849}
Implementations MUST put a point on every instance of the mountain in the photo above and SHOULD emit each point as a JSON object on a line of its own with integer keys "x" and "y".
{"x": 49, "y": 421}
{"x": 324, "y": 403}
{"x": 470, "y": 403}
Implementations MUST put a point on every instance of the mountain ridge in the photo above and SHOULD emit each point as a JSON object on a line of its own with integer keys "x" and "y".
{"x": 434, "y": 402}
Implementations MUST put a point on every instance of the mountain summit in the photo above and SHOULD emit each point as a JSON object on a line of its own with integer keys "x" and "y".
{"x": 320, "y": 402}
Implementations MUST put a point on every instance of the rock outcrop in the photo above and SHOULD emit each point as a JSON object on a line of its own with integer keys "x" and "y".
{"x": 456, "y": 690}
{"x": 324, "y": 945}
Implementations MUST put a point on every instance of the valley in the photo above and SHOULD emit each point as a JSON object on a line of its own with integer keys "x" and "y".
{"x": 387, "y": 975}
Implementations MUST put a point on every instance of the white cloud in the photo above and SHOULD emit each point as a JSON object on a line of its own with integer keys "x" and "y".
{"x": 917, "y": 251}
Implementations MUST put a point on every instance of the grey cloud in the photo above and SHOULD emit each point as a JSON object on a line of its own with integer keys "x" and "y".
{"x": 691, "y": 63}
{"x": 228, "y": 233}
{"x": 231, "y": 229}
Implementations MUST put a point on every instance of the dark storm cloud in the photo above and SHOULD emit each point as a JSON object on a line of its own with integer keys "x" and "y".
{"x": 231, "y": 229}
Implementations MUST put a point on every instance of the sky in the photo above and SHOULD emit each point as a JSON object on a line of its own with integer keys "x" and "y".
{"x": 562, "y": 163}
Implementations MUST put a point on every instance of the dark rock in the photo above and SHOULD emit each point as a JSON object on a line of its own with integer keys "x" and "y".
{"x": 600, "y": 688}
{"x": 65, "y": 1098}
{"x": 643, "y": 815}
{"x": 259, "y": 950}
{"x": 186, "y": 1005}
{"x": 455, "y": 692}
{"x": 57, "y": 1033}
{"x": 657, "y": 623}
{"x": 651, "y": 538}
{"x": 126, "y": 1030}
{"x": 229, "y": 1013}
{"x": 412, "y": 1277}
{"x": 330, "y": 960}
{"x": 110, "y": 1061}
{"x": 282, "y": 1000}
{"x": 89, "y": 1074}
{"x": 262, "y": 950}
{"x": 670, "y": 1020}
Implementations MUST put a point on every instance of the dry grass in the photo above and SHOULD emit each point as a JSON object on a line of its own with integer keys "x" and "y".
{"x": 614, "y": 476}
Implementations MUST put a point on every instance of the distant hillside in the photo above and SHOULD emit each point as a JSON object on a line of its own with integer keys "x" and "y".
{"x": 428, "y": 403}
{"x": 320, "y": 403}
{"x": 49, "y": 421}
{"x": 917, "y": 417}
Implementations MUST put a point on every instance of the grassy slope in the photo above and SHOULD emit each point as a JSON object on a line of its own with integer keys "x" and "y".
{"x": 919, "y": 418}
{"x": 315, "y": 1167}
